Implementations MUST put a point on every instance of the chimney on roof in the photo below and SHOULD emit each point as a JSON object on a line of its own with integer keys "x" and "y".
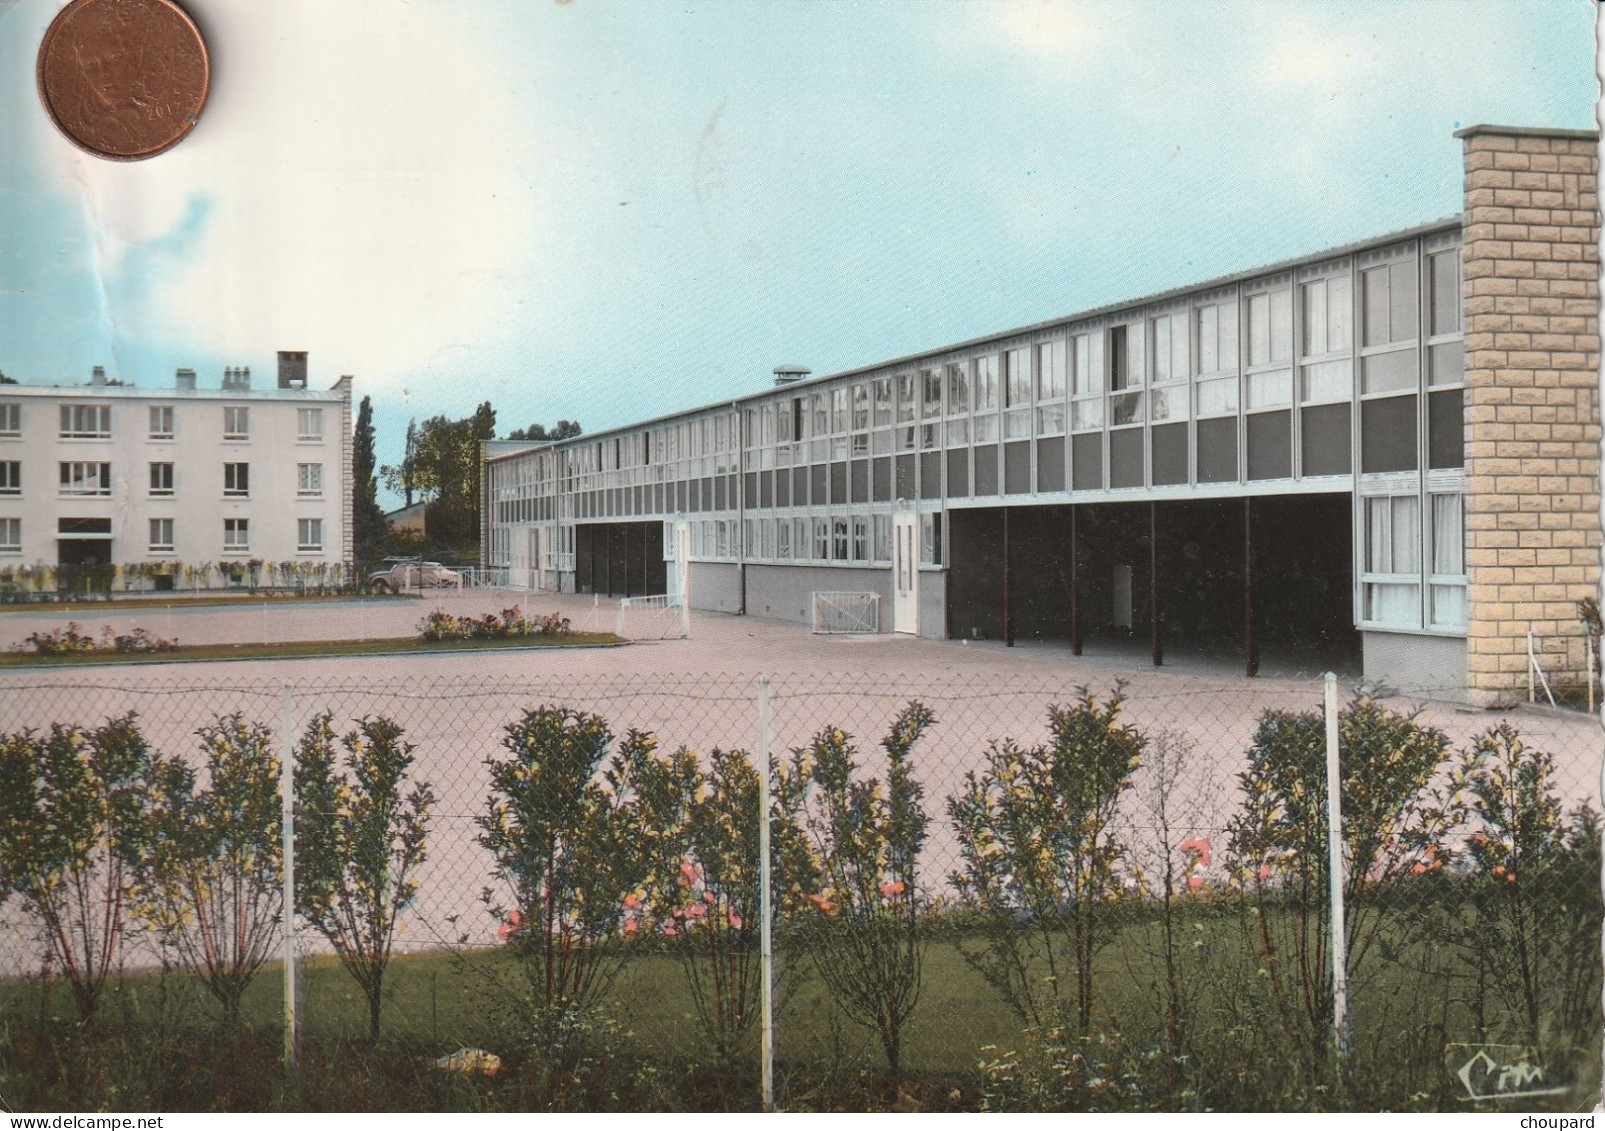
{"x": 184, "y": 379}
{"x": 237, "y": 378}
{"x": 791, "y": 374}
{"x": 292, "y": 369}
{"x": 97, "y": 375}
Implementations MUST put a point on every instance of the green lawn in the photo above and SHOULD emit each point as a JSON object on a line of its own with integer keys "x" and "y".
{"x": 306, "y": 649}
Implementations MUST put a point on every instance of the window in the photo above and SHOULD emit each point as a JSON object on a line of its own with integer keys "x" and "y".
{"x": 930, "y": 393}
{"x": 838, "y": 540}
{"x": 1086, "y": 377}
{"x": 1216, "y": 339}
{"x": 1270, "y": 349}
{"x": 821, "y": 539}
{"x": 958, "y": 387}
{"x": 308, "y": 479}
{"x": 1388, "y": 328}
{"x": 309, "y": 534}
{"x": 1447, "y": 575}
{"x": 236, "y": 535}
{"x": 10, "y": 535}
{"x": 1444, "y": 357}
{"x": 236, "y": 480}
{"x": 1392, "y": 576}
{"x": 10, "y": 418}
{"x": 161, "y": 479}
{"x": 1168, "y": 400}
{"x": 931, "y": 539}
{"x": 10, "y": 477}
{"x": 236, "y": 422}
{"x": 161, "y": 422}
{"x": 1327, "y": 373}
{"x": 161, "y": 535}
{"x": 1051, "y": 370}
{"x": 309, "y": 424}
{"x": 85, "y": 478}
{"x": 1125, "y": 372}
{"x": 86, "y": 421}
{"x": 986, "y": 398}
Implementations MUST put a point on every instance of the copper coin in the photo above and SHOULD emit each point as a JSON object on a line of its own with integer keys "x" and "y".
{"x": 123, "y": 79}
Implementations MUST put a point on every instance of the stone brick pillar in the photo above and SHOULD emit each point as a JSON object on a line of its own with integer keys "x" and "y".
{"x": 1532, "y": 426}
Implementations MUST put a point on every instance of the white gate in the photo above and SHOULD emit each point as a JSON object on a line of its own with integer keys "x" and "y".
{"x": 906, "y": 573}
{"x": 846, "y": 612}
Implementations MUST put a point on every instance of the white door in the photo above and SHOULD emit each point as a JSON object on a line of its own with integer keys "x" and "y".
{"x": 533, "y": 579}
{"x": 677, "y": 555}
{"x": 906, "y": 573}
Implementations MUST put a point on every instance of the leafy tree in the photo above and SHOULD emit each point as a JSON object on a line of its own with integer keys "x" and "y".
{"x": 865, "y": 934}
{"x": 1041, "y": 856}
{"x": 211, "y": 878}
{"x": 70, "y": 822}
{"x": 1393, "y": 826}
{"x": 4, "y": 380}
{"x": 563, "y": 430}
{"x": 370, "y": 520}
{"x": 359, "y": 843}
{"x": 444, "y": 465}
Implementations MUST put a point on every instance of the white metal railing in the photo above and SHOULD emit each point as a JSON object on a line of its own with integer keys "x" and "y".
{"x": 846, "y": 611}
{"x": 658, "y": 601}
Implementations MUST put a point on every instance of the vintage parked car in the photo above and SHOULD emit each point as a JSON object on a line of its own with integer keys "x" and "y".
{"x": 413, "y": 574}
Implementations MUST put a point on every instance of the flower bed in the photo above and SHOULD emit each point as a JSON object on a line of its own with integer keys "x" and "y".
{"x": 511, "y": 624}
{"x": 68, "y": 640}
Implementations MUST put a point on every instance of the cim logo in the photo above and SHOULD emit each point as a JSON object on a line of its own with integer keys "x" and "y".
{"x": 1508, "y": 1072}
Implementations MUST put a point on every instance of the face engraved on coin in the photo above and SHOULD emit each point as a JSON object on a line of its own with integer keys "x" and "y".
{"x": 123, "y": 79}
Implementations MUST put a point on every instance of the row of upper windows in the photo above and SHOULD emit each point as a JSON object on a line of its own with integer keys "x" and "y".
{"x": 93, "y": 422}
{"x": 236, "y": 535}
{"x": 1230, "y": 348}
{"x": 88, "y": 477}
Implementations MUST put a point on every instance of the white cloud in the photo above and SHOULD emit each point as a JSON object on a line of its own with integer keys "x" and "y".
{"x": 1053, "y": 29}
{"x": 368, "y": 189}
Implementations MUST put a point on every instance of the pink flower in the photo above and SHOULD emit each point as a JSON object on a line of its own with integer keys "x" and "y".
{"x": 632, "y": 901}
{"x": 631, "y": 926}
{"x": 1264, "y": 872}
{"x": 669, "y": 931}
{"x": 695, "y": 911}
{"x": 1194, "y": 882}
{"x": 891, "y": 888}
{"x": 735, "y": 921}
{"x": 507, "y": 930}
{"x": 709, "y": 897}
{"x": 1199, "y": 847}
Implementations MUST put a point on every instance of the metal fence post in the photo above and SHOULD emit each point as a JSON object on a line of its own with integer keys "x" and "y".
{"x": 1341, "y": 1027}
{"x": 766, "y": 947}
{"x": 292, "y": 1021}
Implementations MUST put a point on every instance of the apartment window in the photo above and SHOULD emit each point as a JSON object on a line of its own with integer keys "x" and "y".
{"x": 86, "y": 421}
{"x": 309, "y": 424}
{"x": 78, "y": 478}
{"x": 161, "y": 422}
{"x": 1086, "y": 382}
{"x": 236, "y": 535}
{"x": 1168, "y": 401}
{"x": 821, "y": 539}
{"x": 308, "y": 479}
{"x": 1327, "y": 370}
{"x": 161, "y": 535}
{"x": 986, "y": 398}
{"x": 1444, "y": 358}
{"x": 161, "y": 479}
{"x": 10, "y": 418}
{"x": 236, "y": 422}
{"x": 309, "y": 534}
{"x": 838, "y": 540}
{"x": 1392, "y": 576}
{"x": 931, "y": 539}
{"x": 10, "y": 477}
{"x": 10, "y": 535}
{"x": 1447, "y": 576}
{"x": 1051, "y": 370}
{"x": 1388, "y": 328}
{"x": 236, "y": 480}
{"x": 1125, "y": 372}
{"x": 1216, "y": 338}
{"x": 1270, "y": 349}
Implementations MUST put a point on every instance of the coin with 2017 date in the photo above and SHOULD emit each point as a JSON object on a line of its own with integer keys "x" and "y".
{"x": 123, "y": 79}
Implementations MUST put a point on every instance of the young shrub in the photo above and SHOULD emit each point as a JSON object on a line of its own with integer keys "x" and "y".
{"x": 569, "y": 848}
{"x": 211, "y": 880}
{"x": 1393, "y": 824}
{"x": 865, "y": 934}
{"x": 1040, "y": 858}
{"x": 70, "y": 824}
{"x": 1535, "y": 876}
{"x": 360, "y": 838}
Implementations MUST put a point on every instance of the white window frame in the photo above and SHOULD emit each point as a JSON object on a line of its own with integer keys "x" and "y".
{"x": 236, "y": 422}
{"x": 77, "y": 474}
{"x": 158, "y": 491}
{"x": 236, "y": 535}
{"x": 11, "y": 477}
{"x": 309, "y": 480}
{"x": 304, "y": 417}
{"x": 309, "y": 535}
{"x": 85, "y": 421}
{"x": 10, "y": 419}
{"x": 159, "y": 544}
{"x": 1411, "y": 578}
{"x": 232, "y": 488}
{"x": 161, "y": 422}
{"x": 10, "y": 535}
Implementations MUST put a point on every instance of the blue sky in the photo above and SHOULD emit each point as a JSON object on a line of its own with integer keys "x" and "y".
{"x": 609, "y": 210}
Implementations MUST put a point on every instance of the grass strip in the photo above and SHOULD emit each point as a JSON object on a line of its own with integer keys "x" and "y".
{"x": 305, "y": 649}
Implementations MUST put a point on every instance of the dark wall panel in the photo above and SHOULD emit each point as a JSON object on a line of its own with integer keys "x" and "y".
{"x": 1017, "y": 468}
{"x": 1217, "y": 450}
{"x": 799, "y": 486}
{"x": 986, "y": 469}
{"x": 930, "y": 475}
{"x": 1388, "y": 434}
{"x": 1050, "y": 464}
{"x": 958, "y": 473}
{"x": 816, "y": 485}
{"x": 1125, "y": 458}
{"x": 838, "y": 483}
{"x": 1086, "y": 454}
{"x": 1169, "y": 453}
{"x": 881, "y": 478}
{"x": 1446, "y": 419}
{"x": 905, "y": 477}
{"x": 860, "y": 481}
{"x": 1270, "y": 445}
{"x": 1326, "y": 440}
{"x": 783, "y": 488}
{"x": 766, "y": 489}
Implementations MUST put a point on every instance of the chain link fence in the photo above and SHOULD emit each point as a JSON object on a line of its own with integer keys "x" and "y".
{"x": 984, "y": 891}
